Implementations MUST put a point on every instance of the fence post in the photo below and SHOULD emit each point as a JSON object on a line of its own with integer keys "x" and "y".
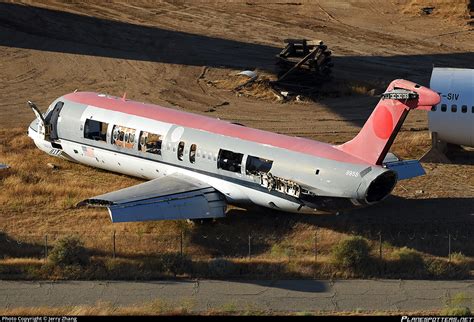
{"x": 250, "y": 253}
{"x": 113, "y": 252}
{"x": 181, "y": 243}
{"x": 316, "y": 245}
{"x": 45, "y": 247}
{"x": 449, "y": 247}
{"x": 380, "y": 245}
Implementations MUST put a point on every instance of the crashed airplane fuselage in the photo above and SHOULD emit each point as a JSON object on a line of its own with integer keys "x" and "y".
{"x": 196, "y": 165}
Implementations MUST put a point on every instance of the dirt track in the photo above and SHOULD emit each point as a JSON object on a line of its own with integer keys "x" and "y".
{"x": 156, "y": 53}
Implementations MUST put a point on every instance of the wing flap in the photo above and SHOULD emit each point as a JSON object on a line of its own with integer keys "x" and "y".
{"x": 167, "y": 198}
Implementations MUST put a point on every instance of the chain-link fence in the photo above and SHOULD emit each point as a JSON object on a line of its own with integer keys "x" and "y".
{"x": 314, "y": 245}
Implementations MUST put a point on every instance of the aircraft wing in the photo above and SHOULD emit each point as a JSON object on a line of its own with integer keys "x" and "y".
{"x": 171, "y": 197}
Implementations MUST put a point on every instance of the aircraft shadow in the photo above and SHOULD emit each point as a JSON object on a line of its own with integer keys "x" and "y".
{"x": 58, "y": 31}
{"x": 460, "y": 155}
{"x": 11, "y": 247}
{"x": 422, "y": 224}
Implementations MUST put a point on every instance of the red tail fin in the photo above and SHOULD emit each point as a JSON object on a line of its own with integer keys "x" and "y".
{"x": 374, "y": 140}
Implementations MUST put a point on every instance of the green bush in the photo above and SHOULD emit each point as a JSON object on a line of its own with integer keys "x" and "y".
{"x": 409, "y": 261}
{"x": 456, "y": 311}
{"x": 405, "y": 263}
{"x": 408, "y": 255}
{"x": 351, "y": 253}
{"x": 69, "y": 250}
{"x": 279, "y": 251}
{"x": 458, "y": 305}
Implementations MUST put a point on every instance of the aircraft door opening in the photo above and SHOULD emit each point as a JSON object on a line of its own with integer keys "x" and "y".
{"x": 52, "y": 119}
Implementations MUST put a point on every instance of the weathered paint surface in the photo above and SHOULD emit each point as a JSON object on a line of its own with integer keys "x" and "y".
{"x": 304, "y": 175}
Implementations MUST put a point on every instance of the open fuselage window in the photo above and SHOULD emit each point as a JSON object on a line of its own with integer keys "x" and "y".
{"x": 123, "y": 136}
{"x": 192, "y": 153}
{"x": 180, "y": 150}
{"x": 256, "y": 165}
{"x": 150, "y": 142}
{"x": 230, "y": 161}
{"x": 95, "y": 130}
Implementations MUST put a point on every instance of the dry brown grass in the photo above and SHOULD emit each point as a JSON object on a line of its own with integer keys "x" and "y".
{"x": 161, "y": 307}
{"x": 38, "y": 201}
{"x": 259, "y": 89}
{"x": 451, "y": 10}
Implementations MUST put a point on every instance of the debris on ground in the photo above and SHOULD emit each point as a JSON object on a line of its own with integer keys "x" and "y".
{"x": 249, "y": 73}
{"x": 304, "y": 62}
{"x": 52, "y": 166}
{"x": 427, "y": 10}
{"x": 4, "y": 170}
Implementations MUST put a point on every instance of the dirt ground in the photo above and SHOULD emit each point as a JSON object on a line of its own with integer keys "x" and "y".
{"x": 172, "y": 52}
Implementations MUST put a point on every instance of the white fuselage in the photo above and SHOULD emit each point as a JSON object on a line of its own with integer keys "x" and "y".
{"x": 247, "y": 166}
{"x": 453, "y": 118}
{"x": 148, "y": 169}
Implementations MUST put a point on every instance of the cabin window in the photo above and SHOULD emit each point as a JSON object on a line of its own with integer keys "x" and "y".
{"x": 230, "y": 161}
{"x": 123, "y": 136}
{"x": 150, "y": 142}
{"x": 454, "y": 108}
{"x": 180, "y": 150}
{"x": 255, "y": 165}
{"x": 192, "y": 153}
{"x": 464, "y": 108}
{"x": 444, "y": 107}
{"x": 95, "y": 130}
{"x": 433, "y": 108}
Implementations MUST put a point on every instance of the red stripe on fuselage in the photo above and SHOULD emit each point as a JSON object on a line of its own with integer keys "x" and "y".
{"x": 195, "y": 121}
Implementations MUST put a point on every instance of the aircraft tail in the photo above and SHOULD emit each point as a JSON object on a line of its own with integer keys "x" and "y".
{"x": 374, "y": 140}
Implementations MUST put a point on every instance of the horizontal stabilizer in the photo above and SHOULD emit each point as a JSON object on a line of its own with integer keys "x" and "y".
{"x": 406, "y": 169}
{"x": 167, "y": 198}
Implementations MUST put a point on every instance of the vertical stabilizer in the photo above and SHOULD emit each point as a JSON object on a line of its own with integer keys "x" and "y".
{"x": 374, "y": 140}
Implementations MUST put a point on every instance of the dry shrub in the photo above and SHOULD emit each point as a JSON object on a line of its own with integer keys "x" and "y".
{"x": 69, "y": 251}
{"x": 458, "y": 305}
{"x": 438, "y": 268}
{"x": 260, "y": 88}
{"x": 352, "y": 253}
{"x": 406, "y": 263}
